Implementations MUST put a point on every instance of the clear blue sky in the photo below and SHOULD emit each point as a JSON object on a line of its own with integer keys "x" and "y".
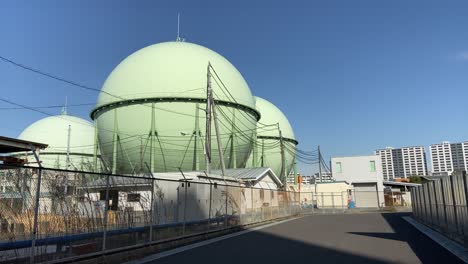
{"x": 352, "y": 76}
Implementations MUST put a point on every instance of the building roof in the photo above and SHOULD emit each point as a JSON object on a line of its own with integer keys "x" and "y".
{"x": 250, "y": 174}
{"x": 242, "y": 174}
{"x": 119, "y": 181}
{"x": 433, "y": 178}
{"x": 407, "y": 184}
{"x": 356, "y": 156}
{"x": 9, "y": 145}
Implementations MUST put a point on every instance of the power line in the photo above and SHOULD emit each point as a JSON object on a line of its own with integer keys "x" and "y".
{"x": 307, "y": 157}
{"x": 46, "y": 107}
{"x": 49, "y": 75}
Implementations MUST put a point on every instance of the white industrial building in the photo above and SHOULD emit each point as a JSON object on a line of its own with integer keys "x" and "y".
{"x": 447, "y": 157}
{"x": 403, "y": 162}
{"x": 132, "y": 196}
{"x": 364, "y": 174}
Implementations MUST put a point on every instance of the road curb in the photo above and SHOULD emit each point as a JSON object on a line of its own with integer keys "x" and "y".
{"x": 450, "y": 245}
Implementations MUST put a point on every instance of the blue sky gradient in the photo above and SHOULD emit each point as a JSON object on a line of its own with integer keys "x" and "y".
{"x": 352, "y": 76}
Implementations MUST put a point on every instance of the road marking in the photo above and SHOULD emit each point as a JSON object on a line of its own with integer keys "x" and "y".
{"x": 454, "y": 248}
{"x": 202, "y": 243}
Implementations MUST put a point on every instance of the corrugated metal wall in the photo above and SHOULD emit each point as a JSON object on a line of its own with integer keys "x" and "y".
{"x": 442, "y": 205}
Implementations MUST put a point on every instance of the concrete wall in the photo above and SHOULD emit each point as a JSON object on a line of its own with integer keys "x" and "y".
{"x": 358, "y": 169}
{"x": 358, "y": 172}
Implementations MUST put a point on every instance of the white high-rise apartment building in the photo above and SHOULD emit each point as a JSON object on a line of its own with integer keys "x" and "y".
{"x": 386, "y": 155}
{"x": 446, "y": 157}
{"x": 403, "y": 162}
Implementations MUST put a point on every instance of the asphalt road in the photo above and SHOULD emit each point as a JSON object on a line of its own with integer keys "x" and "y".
{"x": 352, "y": 238}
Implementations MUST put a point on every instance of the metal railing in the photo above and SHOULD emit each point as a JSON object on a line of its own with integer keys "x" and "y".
{"x": 442, "y": 205}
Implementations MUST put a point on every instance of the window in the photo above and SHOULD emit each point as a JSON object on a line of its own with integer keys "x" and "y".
{"x": 133, "y": 197}
{"x": 338, "y": 167}
{"x": 372, "y": 166}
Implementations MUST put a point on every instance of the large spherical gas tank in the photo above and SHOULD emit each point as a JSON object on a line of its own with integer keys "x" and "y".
{"x": 150, "y": 113}
{"x": 54, "y": 131}
{"x": 268, "y": 146}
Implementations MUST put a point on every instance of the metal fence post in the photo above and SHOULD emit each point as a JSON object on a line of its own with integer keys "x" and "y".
{"x": 455, "y": 213}
{"x": 391, "y": 196}
{"x": 226, "y": 214}
{"x": 106, "y": 212}
{"x": 333, "y": 200}
{"x": 413, "y": 202}
{"x": 271, "y": 207}
{"x": 152, "y": 211}
{"x": 436, "y": 205}
{"x": 185, "y": 206}
{"x": 428, "y": 192}
{"x": 314, "y": 203}
{"x": 209, "y": 206}
{"x": 417, "y": 202}
{"x": 378, "y": 197}
{"x": 444, "y": 205}
{"x": 322, "y": 200}
{"x": 426, "y": 216}
{"x": 36, "y": 215}
{"x": 252, "y": 201}
{"x": 465, "y": 188}
{"x": 342, "y": 202}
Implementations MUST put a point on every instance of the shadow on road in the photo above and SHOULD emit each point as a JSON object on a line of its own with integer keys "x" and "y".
{"x": 425, "y": 249}
{"x": 324, "y": 239}
{"x": 259, "y": 247}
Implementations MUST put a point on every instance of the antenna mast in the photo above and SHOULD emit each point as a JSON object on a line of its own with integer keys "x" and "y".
{"x": 67, "y": 161}
{"x": 178, "y": 29}
{"x": 64, "y": 108}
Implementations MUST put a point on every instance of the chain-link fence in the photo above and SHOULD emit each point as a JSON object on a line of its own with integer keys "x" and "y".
{"x": 48, "y": 215}
{"x": 325, "y": 202}
{"x": 442, "y": 205}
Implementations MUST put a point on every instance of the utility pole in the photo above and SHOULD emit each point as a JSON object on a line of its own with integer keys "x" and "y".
{"x": 254, "y": 150}
{"x": 95, "y": 149}
{"x": 218, "y": 139}
{"x": 218, "y": 136}
{"x": 233, "y": 154}
{"x": 210, "y": 108}
{"x": 208, "y": 122}
{"x": 196, "y": 132}
{"x": 283, "y": 163}
{"x": 152, "y": 139}
{"x": 68, "y": 160}
{"x": 262, "y": 163}
{"x": 115, "y": 142}
{"x": 320, "y": 163}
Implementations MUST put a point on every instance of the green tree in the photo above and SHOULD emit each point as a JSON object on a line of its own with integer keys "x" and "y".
{"x": 415, "y": 179}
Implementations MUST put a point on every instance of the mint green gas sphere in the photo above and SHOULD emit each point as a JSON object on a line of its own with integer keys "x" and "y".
{"x": 268, "y": 145}
{"x": 54, "y": 131}
{"x": 150, "y": 112}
